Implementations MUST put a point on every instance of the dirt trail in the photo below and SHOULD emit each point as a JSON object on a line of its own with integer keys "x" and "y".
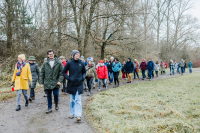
{"x": 33, "y": 118}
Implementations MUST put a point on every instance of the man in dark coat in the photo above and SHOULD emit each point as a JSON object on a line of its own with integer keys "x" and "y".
{"x": 75, "y": 79}
{"x": 110, "y": 71}
{"x": 35, "y": 75}
{"x": 129, "y": 69}
{"x": 51, "y": 78}
{"x": 150, "y": 68}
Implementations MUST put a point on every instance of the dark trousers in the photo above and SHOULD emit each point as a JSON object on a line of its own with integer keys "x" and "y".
{"x": 156, "y": 73}
{"x": 89, "y": 83}
{"x": 152, "y": 74}
{"x": 64, "y": 86}
{"x": 182, "y": 69}
{"x": 143, "y": 73}
{"x": 116, "y": 75}
{"x": 49, "y": 97}
{"x": 32, "y": 93}
{"x": 136, "y": 73}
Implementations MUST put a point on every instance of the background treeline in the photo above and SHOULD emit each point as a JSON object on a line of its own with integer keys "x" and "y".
{"x": 160, "y": 29}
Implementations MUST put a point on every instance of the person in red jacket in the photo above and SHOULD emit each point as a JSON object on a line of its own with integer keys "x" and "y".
{"x": 165, "y": 66}
{"x": 64, "y": 87}
{"x": 102, "y": 73}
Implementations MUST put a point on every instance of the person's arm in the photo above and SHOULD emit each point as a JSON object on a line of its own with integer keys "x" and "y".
{"x": 38, "y": 72}
{"x": 41, "y": 80}
{"x": 106, "y": 71}
{"x": 14, "y": 74}
{"x": 29, "y": 73}
{"x": 64, "y": 71}
{"x": 60, "y": 79}
{"x": 83, "y": 72}
{"x": 120, "y": 67}
{"x": 113, "y": 66}
{"x": 95, "y": 74}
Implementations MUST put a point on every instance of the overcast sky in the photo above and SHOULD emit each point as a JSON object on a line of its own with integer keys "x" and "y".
{"x": 196, "y": 9}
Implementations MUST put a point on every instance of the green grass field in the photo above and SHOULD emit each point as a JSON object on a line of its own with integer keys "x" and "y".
{"x": 165, "y": 105}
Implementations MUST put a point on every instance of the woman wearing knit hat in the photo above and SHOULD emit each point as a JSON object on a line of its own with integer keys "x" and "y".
{"x": 35, "y": 75}
{"x": 102, "y": 73}
{"x": 90, "y": 74}
{"x": 77, "y": 73}
{"x": 21, "y": 76}
{"x": 116, "y": 67}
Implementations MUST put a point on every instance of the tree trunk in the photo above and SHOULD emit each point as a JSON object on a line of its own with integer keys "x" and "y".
{"x": 88, "y": 26}
{"x": 103, "y": 50}
{"x": 9, "y": 19}
{"x": 59, "y": 4}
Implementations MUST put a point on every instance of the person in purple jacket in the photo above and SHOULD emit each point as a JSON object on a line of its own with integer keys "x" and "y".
{"x": 143, "y": 67}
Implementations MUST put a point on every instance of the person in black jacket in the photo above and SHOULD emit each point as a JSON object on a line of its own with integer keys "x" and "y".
{"x": 35, "y": 76}
{"x": 110, "y": 71}
{"x": 77, "y": 73}
{"x": 129, "y": 69}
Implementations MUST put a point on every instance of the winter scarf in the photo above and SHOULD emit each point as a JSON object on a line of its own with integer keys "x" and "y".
{"x": 90, "y": 65}
{"x": 161, "y": 64}
{"x": 19, "y": 67}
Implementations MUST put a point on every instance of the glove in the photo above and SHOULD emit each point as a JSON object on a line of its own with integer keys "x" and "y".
{"x": 96, "y": 80}
{"x": 12, "y": 84}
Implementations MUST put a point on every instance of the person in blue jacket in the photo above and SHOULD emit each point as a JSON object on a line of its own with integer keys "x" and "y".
{"x": 150, "y": 68}
{"x": 116, "y": 67}
{"x": 190, "y": 65}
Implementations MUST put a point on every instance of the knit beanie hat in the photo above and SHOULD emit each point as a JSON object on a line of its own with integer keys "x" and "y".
{"x": 100, "y": 61}
{"x": 22, "y": 56}
{"x": 90, "y": 59}
{"x": 82, "y": 57}
{"x": 143, "y": 59}
{"x": 74, "y": 52}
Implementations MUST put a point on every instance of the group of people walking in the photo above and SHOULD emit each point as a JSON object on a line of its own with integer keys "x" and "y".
{"x": 77, "y": 74}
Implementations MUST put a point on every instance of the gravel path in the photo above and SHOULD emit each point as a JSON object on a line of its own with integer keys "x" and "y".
{"x": 34, "y": 119}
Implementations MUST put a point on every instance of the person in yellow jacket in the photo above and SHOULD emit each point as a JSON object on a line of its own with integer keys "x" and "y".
{"x": 21, "y": 77}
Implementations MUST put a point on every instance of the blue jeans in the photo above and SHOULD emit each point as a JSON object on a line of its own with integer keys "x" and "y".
{"x": 49, "y": 97}
{"x": 182, "y": 69}
{"x": 110, "y": 75}
{"x": 190, "y": 69}
{"x": 19, "y": 92}
{"x": 150, "y": 73}
{"x": 143, "y": 73}
{"x": 75, "y": 105}
{"x": 178, "y": 70}
{"x": 32, "y": 93}
{"x": 104, "y": 82}
{"x": 172, "y": 71}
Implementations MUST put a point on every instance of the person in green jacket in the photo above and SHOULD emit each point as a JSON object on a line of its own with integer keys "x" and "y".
{"x": 51, "y": 78}
{"x": 190, "y": 65}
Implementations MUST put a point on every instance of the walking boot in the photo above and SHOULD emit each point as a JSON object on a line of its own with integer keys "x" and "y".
{"x": 48, "y": 111}
{"x": 26, "y": 104}
{"x": 56, "y": 106}
{"x": 78, "y": 118}
{"x": 18, "y": 108}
